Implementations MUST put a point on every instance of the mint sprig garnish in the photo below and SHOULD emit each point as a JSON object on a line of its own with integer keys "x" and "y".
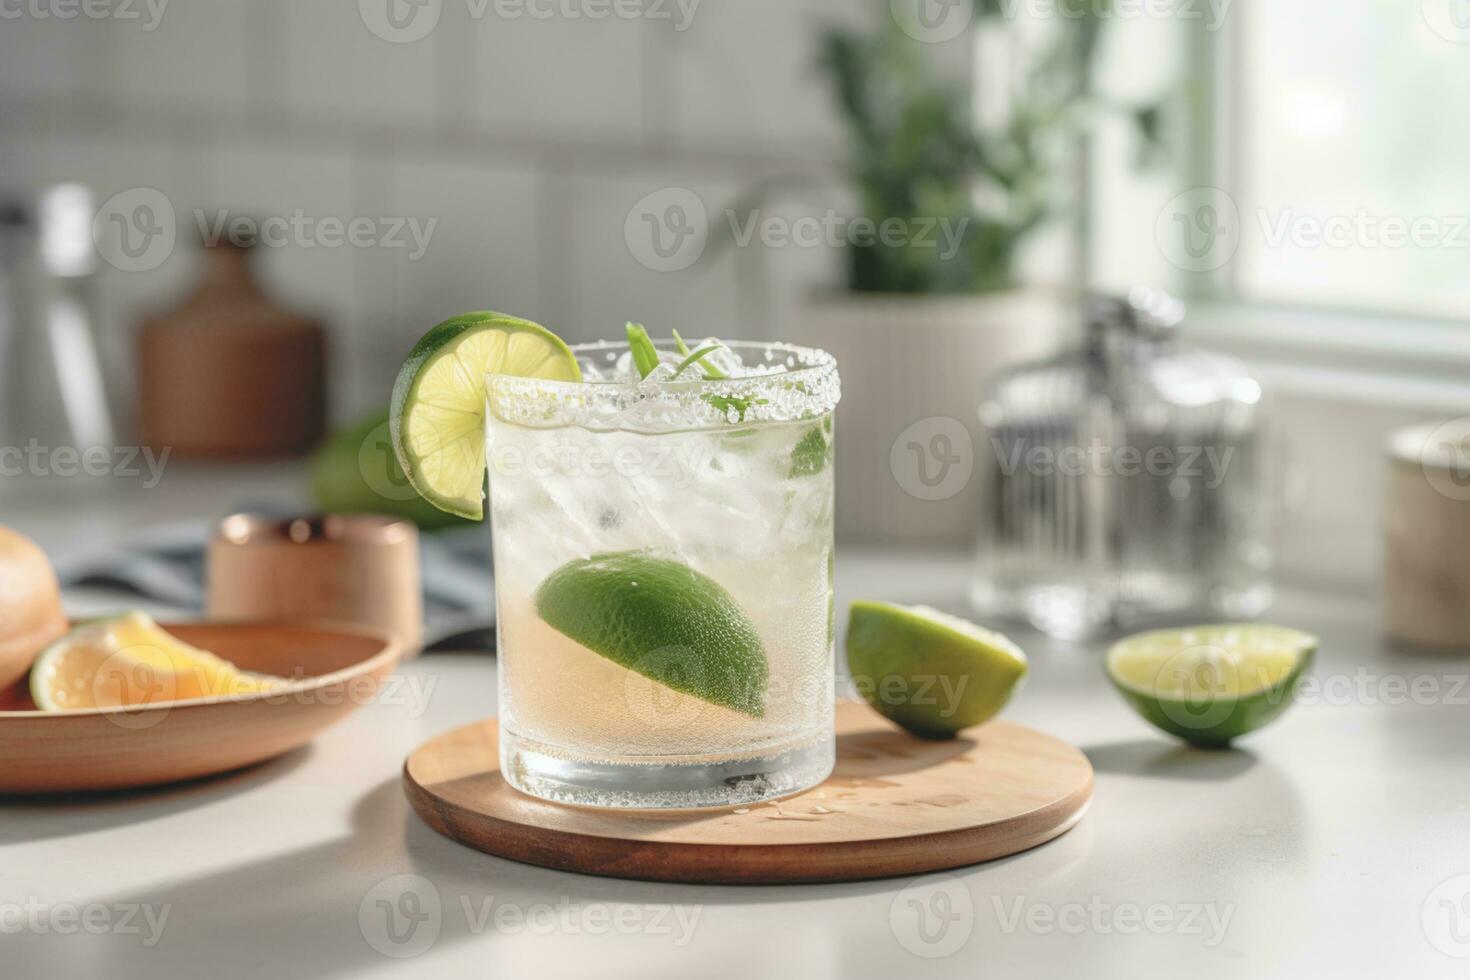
{"x": 645, "y": 358}
{"x": 711, "y": 372}
{"x": 695, "y": 358}
{"x": 645, "y": 355}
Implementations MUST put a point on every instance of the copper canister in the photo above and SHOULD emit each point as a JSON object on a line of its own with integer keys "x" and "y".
{"x": 358, "y": 568}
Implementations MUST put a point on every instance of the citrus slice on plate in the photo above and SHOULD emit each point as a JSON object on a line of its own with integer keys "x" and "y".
{"x": 1211, "y": 684}
{"x": 437, "y": 417}
{"x": 929, "y": 672}
{"x": 130, "y": 661}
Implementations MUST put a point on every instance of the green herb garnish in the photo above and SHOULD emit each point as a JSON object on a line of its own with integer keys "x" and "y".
{"x": 811, "y": 454}
{"x": 645, "y": 355}
{"x": 710, "y": 371}
{"x": 695, "y": 358}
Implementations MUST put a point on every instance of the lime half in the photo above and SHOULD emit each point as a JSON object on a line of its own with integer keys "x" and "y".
{"x": 929, "y": 672}
{"x": 437, "y": 417}
{"x": 663, "y": 620}
{"x": 1211, "y": 684}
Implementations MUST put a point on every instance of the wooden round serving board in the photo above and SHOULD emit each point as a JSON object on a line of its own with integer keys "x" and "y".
{"x": 895, "y": 805}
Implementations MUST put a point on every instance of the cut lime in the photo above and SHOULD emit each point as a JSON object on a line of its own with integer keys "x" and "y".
{"x": 663, "y": 620}
{"x": 437, "y": 416}
{"x": 1211, "y": 684}
{"x": 929, "y": 672}
{"x": 356, "y": 471}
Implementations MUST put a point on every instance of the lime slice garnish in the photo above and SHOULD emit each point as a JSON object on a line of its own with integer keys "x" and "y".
{"x": 437, "y": 417}
{"x": 1211, "y": 684}
{"x": 929, "y": 672}
{"x": 662, "y": 619}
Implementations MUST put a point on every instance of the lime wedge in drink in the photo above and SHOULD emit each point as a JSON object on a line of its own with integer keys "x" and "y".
{"x": 437, "y": 417}
{"x": 1211, "y": 684}
{"x": 929, "y": 672}
{"x": 663, "y": 620}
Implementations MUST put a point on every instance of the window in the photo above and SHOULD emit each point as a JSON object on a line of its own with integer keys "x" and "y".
{"x": 1346, "y": 153}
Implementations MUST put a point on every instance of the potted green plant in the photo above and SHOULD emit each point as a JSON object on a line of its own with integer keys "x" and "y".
{"x": 930, "y": 310}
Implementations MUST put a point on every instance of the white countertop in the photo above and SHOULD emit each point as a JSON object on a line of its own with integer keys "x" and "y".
{"x": 1332, "y": 844}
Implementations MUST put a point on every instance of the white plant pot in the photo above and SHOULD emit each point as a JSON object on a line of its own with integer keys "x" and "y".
{"x": 908, "y": 425}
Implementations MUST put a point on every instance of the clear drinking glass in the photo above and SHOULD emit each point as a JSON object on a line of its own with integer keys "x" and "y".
{"x": 727, "y": 481}
{"x": 1125, "y": 481}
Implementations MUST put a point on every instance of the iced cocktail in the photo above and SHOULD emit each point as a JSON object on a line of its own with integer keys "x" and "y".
{"x": 663, "y": 562}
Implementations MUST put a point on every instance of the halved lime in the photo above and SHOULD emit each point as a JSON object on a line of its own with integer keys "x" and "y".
{"x": 437, "y": 417}
{"x": 929, "y": 672}
{"x": 662, "y": 619}
{"x": 1211, "y": 684}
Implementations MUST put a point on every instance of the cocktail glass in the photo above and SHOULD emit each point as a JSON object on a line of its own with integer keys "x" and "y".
{"x": 663, "y": 562}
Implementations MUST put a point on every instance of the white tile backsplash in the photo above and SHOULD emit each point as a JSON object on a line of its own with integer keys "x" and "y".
{"x": 48, "y": 56}
{"x": 744, "y": 75}
{"x": 607, "y": 283}
{"x": 335, "y": 67}
{"x": 302, "y": 189}
{"x": 195, "y": 56}
{"x": 484, "y": 249}
{"x": 572, "y": 79}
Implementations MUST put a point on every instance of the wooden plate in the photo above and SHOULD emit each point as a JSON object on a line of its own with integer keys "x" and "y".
{"x": 895, "y": 805}
{"x": 96, "y": 749}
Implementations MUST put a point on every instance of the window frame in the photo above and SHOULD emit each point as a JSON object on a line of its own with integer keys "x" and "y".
{"x": 1405, "y": 358}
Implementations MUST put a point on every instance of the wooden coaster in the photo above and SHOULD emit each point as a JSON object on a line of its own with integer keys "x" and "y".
{"x": 895, "y": 805}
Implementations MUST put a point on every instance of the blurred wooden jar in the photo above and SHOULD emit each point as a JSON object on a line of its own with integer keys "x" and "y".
{"x": 229, "y": 374}
{"x": 1427, "y": 572}
{"x": 359, "y": 568}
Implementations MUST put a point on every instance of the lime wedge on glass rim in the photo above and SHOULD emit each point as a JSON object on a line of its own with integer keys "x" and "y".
{"x": 1209, "y": 685}
{"x": 437, "y": 417}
